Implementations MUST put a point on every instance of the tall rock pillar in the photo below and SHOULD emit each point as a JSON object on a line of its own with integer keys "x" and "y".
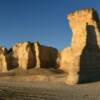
{"x": 85, "y": 46}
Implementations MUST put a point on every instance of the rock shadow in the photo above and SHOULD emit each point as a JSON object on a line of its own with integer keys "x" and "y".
{"x": 90, "y": 58}
{"x": 31, "y": 56}
{"x": 48, "y": 57}
{"x": 12, "y": 61}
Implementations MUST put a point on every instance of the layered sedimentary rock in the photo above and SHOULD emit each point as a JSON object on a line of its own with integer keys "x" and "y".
{"x": 46, "y": 56}
{"x": 37, "y": 53}
{"x": 23, "y": 55}
{"x": 67, "y": 64}
{"x": 29, "y": 55}
{"x": 66, "y": 59}
{"x": 4, "y": 66}
{"x": 85, "y": 46}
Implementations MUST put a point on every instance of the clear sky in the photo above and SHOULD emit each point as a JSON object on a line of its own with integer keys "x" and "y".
{"x": 39, "y": 20}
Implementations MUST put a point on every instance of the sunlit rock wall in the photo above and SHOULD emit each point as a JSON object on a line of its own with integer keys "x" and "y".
{"x": 23, "y": 55}
{"x": 4, "y": 61}
{"x": 85, "y": 47}
{"x": 27, "y": 55}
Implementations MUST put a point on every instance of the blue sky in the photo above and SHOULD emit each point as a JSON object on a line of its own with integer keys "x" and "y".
{"x": 39, "y": 20}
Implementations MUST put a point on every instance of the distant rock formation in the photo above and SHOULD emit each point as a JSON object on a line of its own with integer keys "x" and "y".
{"x": 84, "y": 53}
{"x": 48, "y": 56}
{"x": 23, "y": 55}
{"x": 27, "y": 55}
{"x": 3, "y": 60}
{"x": 37, "y": 53}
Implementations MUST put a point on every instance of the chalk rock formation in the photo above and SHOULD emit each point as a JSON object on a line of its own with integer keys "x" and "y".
{"x": 37, "y": 53}
{"x": 46, "y": 56}
{"x": 67, "y": 64}
{"x": 85, "y": 47}
{"x": 28, "y": 55}
{"x": 66, "y": 59}
{"x": 23, "y": 55}
{"x": 3, "y": 60}
{"x": 81, "y": 23}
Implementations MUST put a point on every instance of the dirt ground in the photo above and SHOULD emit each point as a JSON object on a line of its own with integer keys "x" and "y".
{"x": 48, "y": 91}
{"x": 45, "y": 86}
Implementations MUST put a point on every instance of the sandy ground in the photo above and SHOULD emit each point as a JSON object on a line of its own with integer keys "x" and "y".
{"x": 48, "y": 91}
{"x": 45, "y": 85}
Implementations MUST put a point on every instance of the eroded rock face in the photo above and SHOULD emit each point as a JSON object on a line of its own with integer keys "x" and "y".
{"x": 65, "y": 63}
{"x": 81, "y": 22}
{"x": 28, "y": 55}
{"x": 46, "y": 56}
{"x": 85, "y": 47}
{"x": 23, "y": 55}
{"x": 37, "y": 53}
{"x": 3, "y": 60}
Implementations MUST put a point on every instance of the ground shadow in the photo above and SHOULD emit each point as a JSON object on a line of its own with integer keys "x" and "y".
{"x": 90, "y": 58}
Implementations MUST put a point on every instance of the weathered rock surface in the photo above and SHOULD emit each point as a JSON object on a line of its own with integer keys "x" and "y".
{"x": 37, "y": 53}
{"x": 27, "y": 55}
{"x": 66, "y": 59}
{"x": 3, "y": 60}
{"x": 23, "y": 55}
{"x": 67, "y": 64}
{"x": 85, "y": 47}
{"x": 46, "y": 56}
{"x": 82, "y": 22}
